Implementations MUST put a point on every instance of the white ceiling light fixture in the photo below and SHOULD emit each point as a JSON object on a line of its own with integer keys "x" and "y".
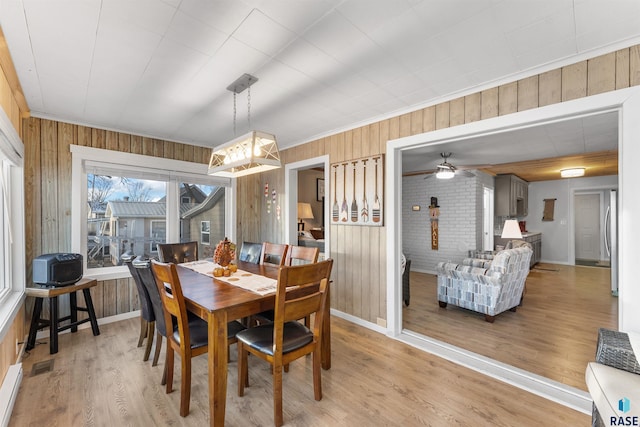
{"x": 251, "y": 153}
{"x": 572, "y": 173}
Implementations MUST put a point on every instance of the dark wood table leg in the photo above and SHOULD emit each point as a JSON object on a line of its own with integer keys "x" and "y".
{"x": 92, "y": 313}
{"x": 73, "y": 306}
{"x": 217, "y": 360}
{"x": 35, "y": 323}
{"x": 53, "y": 325}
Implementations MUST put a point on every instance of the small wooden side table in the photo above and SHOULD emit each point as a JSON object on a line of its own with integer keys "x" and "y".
{"x": 52, "y": 293}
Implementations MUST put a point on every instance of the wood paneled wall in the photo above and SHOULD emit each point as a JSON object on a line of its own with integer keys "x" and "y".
{"x": 359, "y": 274}
{"x": 48, "y": 195}
{"x": 13, "y": 104}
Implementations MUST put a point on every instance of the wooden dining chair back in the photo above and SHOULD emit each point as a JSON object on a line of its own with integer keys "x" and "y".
{"x": 297, "y": 255}
{"x": 286, "y": 339}
{"x": 273, "y": 253}
{"x": 178, "y": 253}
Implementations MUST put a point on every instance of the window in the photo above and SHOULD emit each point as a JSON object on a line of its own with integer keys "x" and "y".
{"x": 205, "y": 232}
{"x": 123, "y": 218}
{"x": 158, "y": 234}
{"x": 12, "y": 245}
{"x": 146, "y": 205}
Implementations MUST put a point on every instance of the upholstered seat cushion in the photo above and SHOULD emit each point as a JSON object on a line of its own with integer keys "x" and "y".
{"x": 199, "y": 333}
{"x": 260, "y": 337}
{"x": 608, "y": 386}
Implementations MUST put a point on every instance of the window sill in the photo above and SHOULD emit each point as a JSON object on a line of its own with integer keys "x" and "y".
{"x": 9, "y": 308}
{"x": 119, "y": 273}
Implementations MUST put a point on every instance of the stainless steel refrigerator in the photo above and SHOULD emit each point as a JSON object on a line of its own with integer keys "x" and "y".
{"x": 611, "y": 238}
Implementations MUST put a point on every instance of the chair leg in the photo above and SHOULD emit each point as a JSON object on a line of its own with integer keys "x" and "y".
{"x": 164, "y": 375}
{"x": 185, "y": 385}
{"x": 243, "y": 373}
{"x": 151, "y": 327}
{"x": 143, "y": 331}
{"x": 169, "y": 368}
{"x": 156, "y": 355}
{"x": 277, "y": 396}
{"x": 317, "y": 379}
{"x": 489, "y": 319}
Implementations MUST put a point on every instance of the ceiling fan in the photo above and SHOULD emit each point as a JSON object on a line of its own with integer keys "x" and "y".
{"x": 446, "y": 170}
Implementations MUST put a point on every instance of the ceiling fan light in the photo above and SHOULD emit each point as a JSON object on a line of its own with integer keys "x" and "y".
{"x": 572, "y": 173}
{"x": 445, "y": 174}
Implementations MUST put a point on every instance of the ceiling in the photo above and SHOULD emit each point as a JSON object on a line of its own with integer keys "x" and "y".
{"x": 161, "y": 68}
{"x": 536, "y": 153}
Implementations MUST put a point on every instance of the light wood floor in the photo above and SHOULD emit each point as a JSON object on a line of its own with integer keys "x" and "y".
{"x": 374, "y": 381}
{"x": 553, "y": 334}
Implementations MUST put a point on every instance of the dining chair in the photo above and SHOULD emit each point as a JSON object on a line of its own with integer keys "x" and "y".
{"x": 178, "y": 253}
{"x": 147, "y": 315}
{"x": 286, "y": 339}
{"x": 297, "y": 255}
{"x": 250, "y": 252}
{"x": 189, "y": 335}
{"x": 142, "y": 266}
{"x": 273, "y": 253}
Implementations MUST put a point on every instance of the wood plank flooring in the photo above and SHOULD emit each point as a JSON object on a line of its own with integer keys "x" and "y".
{"x": 552, "y": 334}
{"x": 374, "y": 381}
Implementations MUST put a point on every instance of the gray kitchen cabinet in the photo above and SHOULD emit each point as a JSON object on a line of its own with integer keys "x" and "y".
{"x": 511, "y": 196}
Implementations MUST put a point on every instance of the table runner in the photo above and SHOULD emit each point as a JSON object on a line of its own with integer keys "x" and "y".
{"x": 243, "y": 279}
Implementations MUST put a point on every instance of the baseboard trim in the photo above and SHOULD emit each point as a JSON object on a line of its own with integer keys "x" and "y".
{"x": 9, "y": 392}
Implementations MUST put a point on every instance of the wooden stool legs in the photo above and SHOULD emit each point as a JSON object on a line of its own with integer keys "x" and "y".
{"x": 54, "y": 320}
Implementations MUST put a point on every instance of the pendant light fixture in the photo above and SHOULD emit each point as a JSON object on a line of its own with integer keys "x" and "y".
{"x": 251, "y": 153}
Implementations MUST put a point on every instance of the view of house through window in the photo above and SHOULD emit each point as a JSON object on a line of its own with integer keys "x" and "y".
{"x": 128, "y": 216}
{"x": 206, "y": 206}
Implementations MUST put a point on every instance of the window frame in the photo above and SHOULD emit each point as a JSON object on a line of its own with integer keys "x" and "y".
{"x": 173, "y": 172}
{"x": 207, "y": 233}
{"x": 12, "y": 151}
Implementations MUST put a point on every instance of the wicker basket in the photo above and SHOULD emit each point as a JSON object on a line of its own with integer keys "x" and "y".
{"x": 614, "y": 349}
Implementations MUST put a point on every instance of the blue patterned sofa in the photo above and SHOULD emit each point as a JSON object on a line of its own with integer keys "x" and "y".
{"x": 486, "y": 286}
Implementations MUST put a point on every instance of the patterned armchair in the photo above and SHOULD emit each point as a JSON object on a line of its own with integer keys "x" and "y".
{"x": 485, "y": 286}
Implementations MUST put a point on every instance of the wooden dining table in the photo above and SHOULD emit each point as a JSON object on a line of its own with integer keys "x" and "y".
{"x": 218, "y": 302}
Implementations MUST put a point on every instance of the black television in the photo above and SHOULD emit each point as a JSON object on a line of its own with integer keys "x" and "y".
{"x": 57, "y": 269}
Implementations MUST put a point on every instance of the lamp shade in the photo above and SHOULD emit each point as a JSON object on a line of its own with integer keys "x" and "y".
{"x": 511, "y": 230}
{"x": 304, "y": 211}
{"x": 251, "y": 153}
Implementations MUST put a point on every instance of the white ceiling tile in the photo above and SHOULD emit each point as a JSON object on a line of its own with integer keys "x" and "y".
{"x": 308, "y": 59}
{"x": 252, "y": 30}
{"x": 194, "y": 33}
{"x": 150, "y": 15}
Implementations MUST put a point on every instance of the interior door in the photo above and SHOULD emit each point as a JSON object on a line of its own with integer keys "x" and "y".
{"x": 587, "y": 226}
{"x": 487, "y": 219}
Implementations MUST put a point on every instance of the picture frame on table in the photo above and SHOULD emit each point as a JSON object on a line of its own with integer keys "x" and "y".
{"x": 319, "y": 189}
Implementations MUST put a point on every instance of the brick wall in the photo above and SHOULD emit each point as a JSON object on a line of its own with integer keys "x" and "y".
{"x": 459, "y": 224}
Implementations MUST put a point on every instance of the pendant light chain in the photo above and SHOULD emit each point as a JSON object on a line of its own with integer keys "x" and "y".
{"x": 249, "y": 106}
{"x": 234, "y": 114}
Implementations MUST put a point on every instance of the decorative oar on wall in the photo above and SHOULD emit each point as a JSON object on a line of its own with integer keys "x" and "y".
{"x": 354, "y": 204}
{"x": 335, "y": 213}
{"x": 344, "y": 210}
{"x": 363, "y": 206}
{"x": 376, "y": 201}
{"x": 364, "y": 212}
